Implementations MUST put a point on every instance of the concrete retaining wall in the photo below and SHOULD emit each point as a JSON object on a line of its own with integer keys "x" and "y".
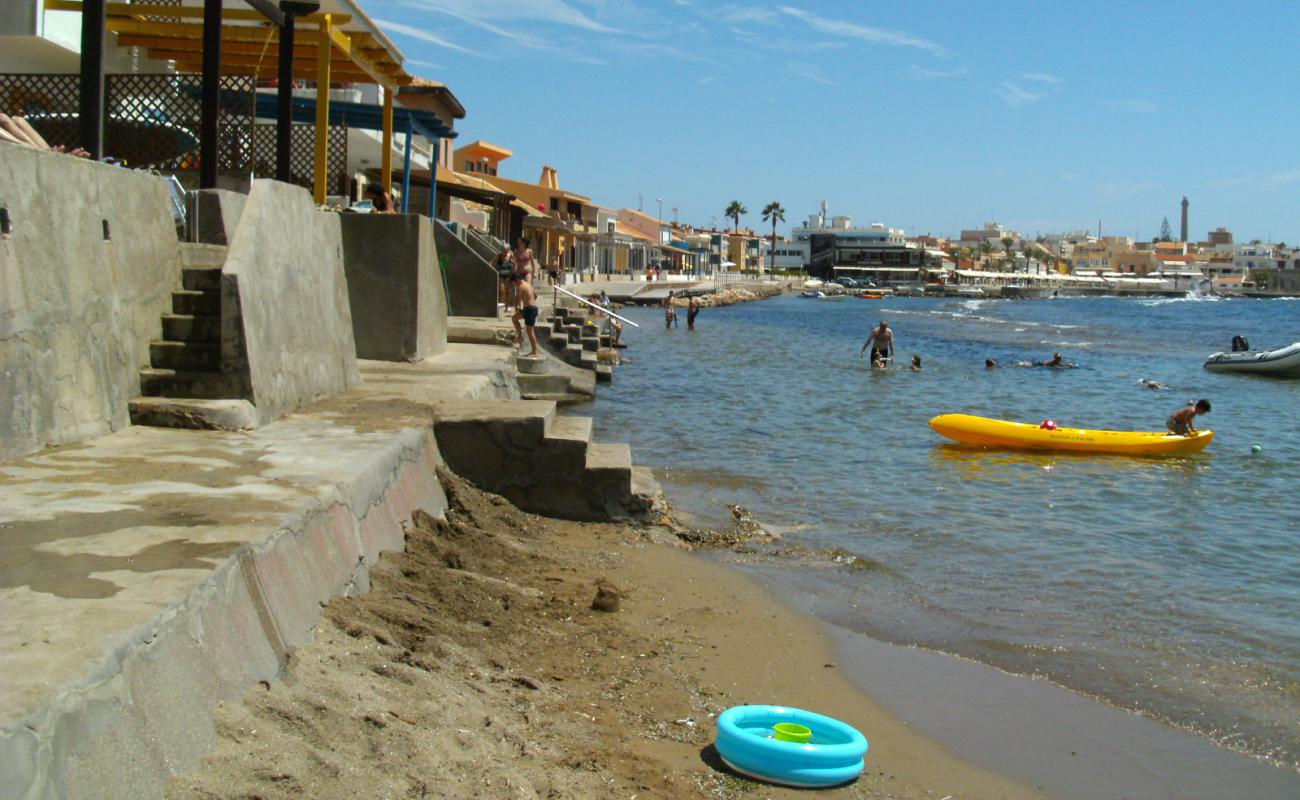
{"x": 284, "y": 302}
{"x": 471, "y": 281}
{"x": 77, "y": 310}
{"x": 147, "y": 711}
{"x": 213, "y": 215}
{"x": 395, "y": 288}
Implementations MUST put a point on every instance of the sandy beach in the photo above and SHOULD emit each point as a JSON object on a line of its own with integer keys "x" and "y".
{"x": 478, "y": 667}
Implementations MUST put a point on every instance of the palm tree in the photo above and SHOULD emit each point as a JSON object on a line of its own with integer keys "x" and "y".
{"x": 734, "y": 210}
{"x": 773, "y": 213}
{"x": 985, "y": 249}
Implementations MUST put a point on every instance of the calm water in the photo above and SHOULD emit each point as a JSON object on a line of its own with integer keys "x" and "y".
{"x": 1167, "y": 586}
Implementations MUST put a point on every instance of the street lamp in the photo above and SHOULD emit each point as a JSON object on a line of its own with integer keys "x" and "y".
{"x": 660, "y": 201}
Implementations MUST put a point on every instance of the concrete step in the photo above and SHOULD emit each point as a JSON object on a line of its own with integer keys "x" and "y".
{"x": 558, "y": 341}
{"x": 186, "y": 356}
{"x": 561, "y": 399}
{"x": 203, "y": 255}
{"x": 191, "y": 328}
{"x": 605, "y": 340}
{"x": 543, "y": 384}
{"x": 196, "y": 303}
{"x": 591, "y": 343}
{"x": 588, "y": 359}
{"x": 605, "y": 373}
{"x": 609, "y": 472}
{"x": 530, "y": 365}
{"x": 543, "y": 330}
{"x": 572, "y": 432}
{"x": 574, "y": 332}
{"x": 156, "y": 382}
{"x": 207, "y": 415}
{"x": 201, "y": 279}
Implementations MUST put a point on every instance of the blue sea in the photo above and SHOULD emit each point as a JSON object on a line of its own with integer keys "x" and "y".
{"x": 1165, "y": 586}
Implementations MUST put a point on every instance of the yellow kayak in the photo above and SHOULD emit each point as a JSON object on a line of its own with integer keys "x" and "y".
{"x": 969, "y": 429}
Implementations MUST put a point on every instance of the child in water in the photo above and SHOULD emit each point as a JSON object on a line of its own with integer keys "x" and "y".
{"x": 916, "y": 363}
{"x": 1181, "y": 421}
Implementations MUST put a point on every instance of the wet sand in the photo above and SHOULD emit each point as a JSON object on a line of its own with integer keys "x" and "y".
{"x": 477, "y": 667}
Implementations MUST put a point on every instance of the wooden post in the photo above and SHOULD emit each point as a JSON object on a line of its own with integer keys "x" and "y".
{"x": 322, "y": 112}
{"x": 209, "y": 130}
{"x": 91, "y": 108}
{"x": 386, "y": 171}
{"x": 406, "y": 165}
{"x": 284, "y": 104}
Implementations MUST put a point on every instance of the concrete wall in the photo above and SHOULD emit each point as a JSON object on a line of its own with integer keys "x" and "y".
{"x": 398, "y": 304}
{"x": 213, "y": 214}
{"x": 77, "y": 311}
{"x": 471, "y": 280}
{"x": 284, "y": 302}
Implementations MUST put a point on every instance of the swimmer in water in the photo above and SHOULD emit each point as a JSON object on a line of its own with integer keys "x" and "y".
{"x": 916, "y": 363}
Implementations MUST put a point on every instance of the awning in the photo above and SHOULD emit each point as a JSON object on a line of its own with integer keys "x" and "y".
{"x": 359, "y": 115}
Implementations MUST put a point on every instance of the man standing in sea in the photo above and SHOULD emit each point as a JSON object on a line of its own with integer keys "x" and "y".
{"x": 883, "y": 348}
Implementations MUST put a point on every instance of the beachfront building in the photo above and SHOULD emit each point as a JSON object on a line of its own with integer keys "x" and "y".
{"x": 789, "y": 254}
{"x": 564, "y": 231}
{"x": 992, "y": 234}
{"x": 876, "y": 253}
{"x": 620, "y": 249}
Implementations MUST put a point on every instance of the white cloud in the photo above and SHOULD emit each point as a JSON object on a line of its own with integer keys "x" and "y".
{"x": 422, "y": 35}
{"x": 735, "y": 13}
{"x": 515, "y": 11}
{"x": 808, "y": 71}
{"x": 1015, "y": 95}
{"x": 851, "y": 30}
{"x": 1040, "y": 77}
{"x": 920, "y": 73}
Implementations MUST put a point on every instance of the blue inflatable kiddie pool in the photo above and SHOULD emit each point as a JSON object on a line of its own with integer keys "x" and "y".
{"x": 790, "y": 746}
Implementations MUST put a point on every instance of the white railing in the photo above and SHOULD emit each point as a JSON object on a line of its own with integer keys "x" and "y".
{"x": 585, "y": 301}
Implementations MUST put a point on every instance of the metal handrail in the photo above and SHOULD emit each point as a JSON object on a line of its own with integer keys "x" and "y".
{"x": 581, "y": 299}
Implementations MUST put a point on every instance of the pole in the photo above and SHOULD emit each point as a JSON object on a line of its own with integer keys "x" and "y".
{"x": 320, "y": 174}
{"x": 91, "y": 108}
{"x": 406, "y": 166}
{"x": 433, "y": 181}
{"x": 386, "y": 170}
{"x": 284, "y": 104}
{"x": 209, "y": 128}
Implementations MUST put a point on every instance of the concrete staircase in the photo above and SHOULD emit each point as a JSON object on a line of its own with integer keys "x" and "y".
{"x": 541, "y": 462}
{"x": 184, "y": 386}
{"x": 569, "y": 337}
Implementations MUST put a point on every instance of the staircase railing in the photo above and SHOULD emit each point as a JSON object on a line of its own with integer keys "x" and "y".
{"x": 602, "y": 310}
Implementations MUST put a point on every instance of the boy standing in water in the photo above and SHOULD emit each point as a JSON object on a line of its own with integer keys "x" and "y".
{"x": 692, "y": 310}
{"x": 526, "y": 310}
{"x": 1180, "y": 422}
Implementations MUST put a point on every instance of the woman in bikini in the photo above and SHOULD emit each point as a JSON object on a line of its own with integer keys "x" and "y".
{"x": 524, "y": 264}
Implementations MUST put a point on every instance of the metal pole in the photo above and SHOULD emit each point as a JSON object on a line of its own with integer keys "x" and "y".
{"x": 209, "y": 129}
{"x": 284, "y": 104}
{"x": 91, "y": 110}
{"x": 406, "y": 166}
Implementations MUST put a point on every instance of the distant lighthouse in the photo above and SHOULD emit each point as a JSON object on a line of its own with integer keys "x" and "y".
{"x": 1183, "y": 236}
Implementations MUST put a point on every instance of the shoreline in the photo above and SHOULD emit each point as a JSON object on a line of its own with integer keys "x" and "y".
{"x": 476, "y": 667}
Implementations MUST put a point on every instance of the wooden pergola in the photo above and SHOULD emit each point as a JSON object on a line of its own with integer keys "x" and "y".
{"x": 264, "y": 41}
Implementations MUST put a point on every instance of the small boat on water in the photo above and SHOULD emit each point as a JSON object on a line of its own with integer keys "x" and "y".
{"x": 870, "y": 296}
{"x": 985, "y": 432}
{"x": 1283, "y": 362}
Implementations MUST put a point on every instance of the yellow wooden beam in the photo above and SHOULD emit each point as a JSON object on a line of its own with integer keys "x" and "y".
{"x": 323, "y": 110}
{"x": 184, "y": 12}
{"x": 386, "y": 170}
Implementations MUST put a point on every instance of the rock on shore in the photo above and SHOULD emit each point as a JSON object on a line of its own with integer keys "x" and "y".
{"x": 728, "y": 297}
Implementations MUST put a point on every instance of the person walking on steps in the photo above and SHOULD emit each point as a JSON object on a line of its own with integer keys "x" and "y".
{"x": 525, "y": 310}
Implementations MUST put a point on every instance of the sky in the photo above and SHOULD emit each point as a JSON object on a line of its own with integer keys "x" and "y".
{"x": 927, "y": 116}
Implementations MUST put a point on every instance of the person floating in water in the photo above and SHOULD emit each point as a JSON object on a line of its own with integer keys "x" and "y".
{"x": 1240, "y": 344}
{"x": 878, "y": 360}
{"x": 990, "y": 363}
{"x": 1150, "y": 384}
{"x": 882, "y": 341}
{"x": 1056, "y": 361}
{"x": 916, "y": 363}
{"x": 1181, "y": 421}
